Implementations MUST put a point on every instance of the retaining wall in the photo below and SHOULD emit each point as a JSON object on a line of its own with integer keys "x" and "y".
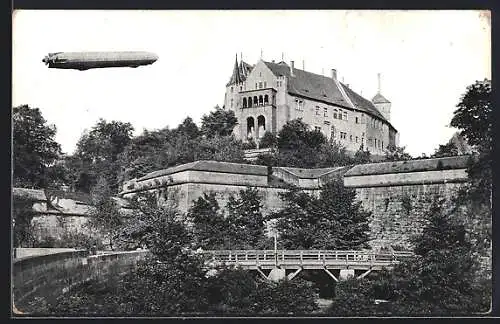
{"x": 49, "y": 276}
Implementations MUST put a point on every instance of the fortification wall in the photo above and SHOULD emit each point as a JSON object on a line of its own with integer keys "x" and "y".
{"x": 398, "y": 211}
{"x": 49, "y": 276}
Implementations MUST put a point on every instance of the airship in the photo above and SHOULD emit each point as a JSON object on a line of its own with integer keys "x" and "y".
{"x": 93, "y": 60}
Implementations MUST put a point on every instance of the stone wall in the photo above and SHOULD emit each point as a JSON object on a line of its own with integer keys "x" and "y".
{"x": 399, "y": 194}
{"x": 47, "y": 277}
{"x": 398, "y": 211}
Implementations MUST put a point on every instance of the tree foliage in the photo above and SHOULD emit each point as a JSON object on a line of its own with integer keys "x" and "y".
{"x": 240, "y": 226}
{"x": 246, "y": 222}
{"x": 442, "y": 279}
{"x": 97, "y": 154}
{"x": 105, "y": 216}
{"x": 22, "y": 215}
{"x": 395, "y": 153}
{"x": 218, "y": 122}
{"x": 209, "y": 223}
{"x": 445, "y": 150}
{"x": 331, "y": 221}
{"x": 35, "y": 149}
{"x": 296, "y": 145}
{"x": 474, "y": 119}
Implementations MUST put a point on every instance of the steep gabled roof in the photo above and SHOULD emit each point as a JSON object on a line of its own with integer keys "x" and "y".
{"x": 322, "y": 88}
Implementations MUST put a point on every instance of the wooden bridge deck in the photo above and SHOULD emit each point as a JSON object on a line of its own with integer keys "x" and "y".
{"x": 306, "y": 259}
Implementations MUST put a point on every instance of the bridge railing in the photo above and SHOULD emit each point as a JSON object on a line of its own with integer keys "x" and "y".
{"x": 303, "y": 256}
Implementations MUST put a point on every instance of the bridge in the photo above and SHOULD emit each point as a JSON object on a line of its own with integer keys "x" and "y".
{"x": 346, "y": 263}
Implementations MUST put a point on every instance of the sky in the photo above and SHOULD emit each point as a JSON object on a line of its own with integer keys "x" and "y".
{"x": 426, "y": 60}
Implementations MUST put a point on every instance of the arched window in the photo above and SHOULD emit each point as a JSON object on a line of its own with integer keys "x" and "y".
{"x": 244, "y": 102}
{"x": 250, "y": 127}
{"x": 261, "y": 100}
{"x": 255, "y": 101}
{"x": 249, "y": 102}
{"x": 261, "y": 126}
{"x": 266, "y": 99}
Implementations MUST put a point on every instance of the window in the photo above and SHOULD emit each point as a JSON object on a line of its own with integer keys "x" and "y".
{"x": 299, "y": 104}
{"x": 356, "y": 139}
{"x": 317, "y": 111}
{"x": 244, "y": 102}
{"x": 350, "y": 138}
{"x": 265, "y": 84}
{"x": 345, "y": 115}
{"x": 340, "y": 115}
{"x": 256, "y": 85}
{"x": 357, "y": 121}
{"x": 260, "y": 74}
{"x": 241, "y": 88}
{"x": 260, "y": 85}
{"x": 266, "y": 99}
{"x": 317, "y": 128}
{"x": 326, "y": 122}
{"x": 231, "y": 89}
{"x": 335, "y": 114}
{"x": 325, "y": 112}
{"x": 382, "y": 144}
{"x": 375, "y": 142}
{"x": 261, "y": 100}
{"x": 333, "y": 132}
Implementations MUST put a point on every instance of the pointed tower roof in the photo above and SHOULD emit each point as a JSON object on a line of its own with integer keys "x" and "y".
{"x": 236, "y": 77}
{"x": 379, "y": 99}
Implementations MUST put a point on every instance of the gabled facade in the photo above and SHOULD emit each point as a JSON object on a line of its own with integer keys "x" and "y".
{"x": 267, "y": 95}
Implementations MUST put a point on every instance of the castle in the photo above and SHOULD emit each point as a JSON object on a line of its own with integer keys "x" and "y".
{"x": 267, "y": 95}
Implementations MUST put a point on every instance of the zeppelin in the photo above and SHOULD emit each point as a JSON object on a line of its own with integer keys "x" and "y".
{"x": 93, "y": 60}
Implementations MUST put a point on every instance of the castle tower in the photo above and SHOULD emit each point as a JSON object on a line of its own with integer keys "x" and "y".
{"x": 381, "y": 103}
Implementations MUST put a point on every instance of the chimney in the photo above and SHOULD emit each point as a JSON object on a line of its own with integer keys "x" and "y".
{"x": 303, "y": 65}
{"x": 378, "y": 76}
{"x": 334, "y": 74}
{"x": 291, "y": 68}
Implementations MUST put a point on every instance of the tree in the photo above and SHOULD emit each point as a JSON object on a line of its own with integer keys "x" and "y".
{"x": 219, "y": 148}
{"x": 396, "y": 153}
{"x": 333, "y": 154}
{"x": 441, "y": 231}
{"x": 209, "y": 223}
{"x": 445, "y": 150}
{"x": 22, "y": 215}
{"x": 245, "y": 219}
{"x": 35, "y": 150}
{"x": 188, "y": 128}
{"x": 442, "y": 279}
{"x": 334, "y": 220}
{"x": 474, "y": 119}
{"x": 105, "y": 216}
{"x": 268, "y": 140}
{"x": 219, "y": 122}
{"x": 99, "y": 150}
{"x": 361, "y": 156}
{"x": 299, "y": 146}
{"x": 285, "y": 297}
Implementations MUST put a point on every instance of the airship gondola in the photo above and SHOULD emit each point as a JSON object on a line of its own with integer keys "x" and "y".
{"x": 93, "y": 60}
